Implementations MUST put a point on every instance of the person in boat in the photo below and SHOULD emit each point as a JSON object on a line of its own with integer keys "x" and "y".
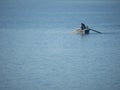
{"x": 83, "y": 26}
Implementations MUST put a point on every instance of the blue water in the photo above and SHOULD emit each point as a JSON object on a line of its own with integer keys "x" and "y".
{"x": 37, "y": 50}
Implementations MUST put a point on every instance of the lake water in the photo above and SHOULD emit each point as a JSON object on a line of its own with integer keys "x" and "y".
{"x": 37, "y": 50}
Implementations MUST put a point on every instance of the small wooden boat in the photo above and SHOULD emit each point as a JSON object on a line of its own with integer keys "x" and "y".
{"x": 84, "y": 31}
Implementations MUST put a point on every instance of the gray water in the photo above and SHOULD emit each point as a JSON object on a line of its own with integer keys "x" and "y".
{"x": 37, "y": 51}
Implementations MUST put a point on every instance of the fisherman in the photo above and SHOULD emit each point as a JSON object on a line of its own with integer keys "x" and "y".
{"x": 83, "y": 26}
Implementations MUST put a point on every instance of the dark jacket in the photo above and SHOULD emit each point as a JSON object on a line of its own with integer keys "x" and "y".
{"x": 83, "y": 26}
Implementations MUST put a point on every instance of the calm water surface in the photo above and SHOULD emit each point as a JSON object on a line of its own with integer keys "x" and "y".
{"x": 38, "y": 52}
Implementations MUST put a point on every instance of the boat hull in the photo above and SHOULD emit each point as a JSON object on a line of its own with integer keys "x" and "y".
{"x": 83, "y": 32}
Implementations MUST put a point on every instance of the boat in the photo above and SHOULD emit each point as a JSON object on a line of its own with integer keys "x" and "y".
{"x": 84, "y": 31}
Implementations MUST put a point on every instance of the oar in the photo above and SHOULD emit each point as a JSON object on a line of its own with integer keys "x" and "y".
{"x": 95, "y": 30}
{"x": 74, "y": 31}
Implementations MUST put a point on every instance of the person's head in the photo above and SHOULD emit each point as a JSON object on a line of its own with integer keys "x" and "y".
{"x": 82, "y": 24}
